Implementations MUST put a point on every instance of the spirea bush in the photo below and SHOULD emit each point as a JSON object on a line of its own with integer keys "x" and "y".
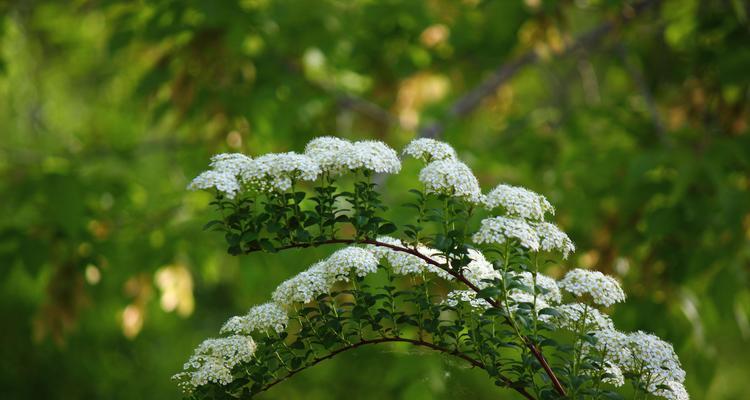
{"x": 462, "y": 278}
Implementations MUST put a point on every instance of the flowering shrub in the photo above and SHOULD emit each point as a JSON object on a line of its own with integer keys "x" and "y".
{"x": 464, "y": 279}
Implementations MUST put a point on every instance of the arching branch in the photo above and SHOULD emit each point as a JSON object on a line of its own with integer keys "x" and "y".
{"x": 458, "y": 276}
{"x": 397, "y": 339}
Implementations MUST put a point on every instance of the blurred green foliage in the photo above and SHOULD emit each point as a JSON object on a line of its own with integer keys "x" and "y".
{"x": 108, "y": 108}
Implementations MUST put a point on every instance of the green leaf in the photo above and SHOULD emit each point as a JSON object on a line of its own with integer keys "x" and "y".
{"x": 387, "y": 228}
{"x": 489, "y": 292}
{"x": 267, "y": 246}
{"x": 212, "y": 224}
{"x": 549, "y": 311}
{"x": 249, "y": 236}
{"x": 360, "y": 220}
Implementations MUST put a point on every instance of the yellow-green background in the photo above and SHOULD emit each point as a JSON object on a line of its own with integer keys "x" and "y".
{"x": 108, "y": 108}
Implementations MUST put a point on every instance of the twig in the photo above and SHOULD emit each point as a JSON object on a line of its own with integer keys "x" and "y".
{"x": 415, "y": 342}
{"x": 471, "y": 100}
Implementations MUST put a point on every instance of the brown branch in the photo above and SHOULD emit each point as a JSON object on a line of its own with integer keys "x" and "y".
{"x": 395, "y": 339}
{"x": 640, "y": 82}
{"x": 471, "y": 100}
{"x": 494, "y": 303}
{"x": 368, "y": 108}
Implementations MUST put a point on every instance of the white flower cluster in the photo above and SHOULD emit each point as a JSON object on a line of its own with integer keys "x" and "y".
{"x": 524, "y": 219}
{"x": 614, "y": 345}
{"x": 479, "y": 269}
{"x": 213, "y": 361}
{"x": 550, "y": 290}
{"x": 644, "y": 354}
{"x": 224, "y": 183}
{"x": 655, "y": 357}
{"x": 276, "y": 172}
{"x": 230, "y": 163}
{"x": 350, "y": 259}
{"x": 578, "y": 316}
{"x": 261, "y": 318}
{"x": 429, "y": 150}
{"x": 370, "y": 155}
{"x": 466, "y": 296}
{"x": 328, "y": 152}
{"x": 518, "y": 202}
{"x": 451, "y": 177}
{"x": 497, "y": 230}
{"x": 320, "y": 277}
{"x": 534, "y": 236}
{"x": 552, "y": 238}
{"x": 401, "y": 263}
{"x": 338, "y": 156}
{"x": 223, "y": 175}
{"x": 604, "y": 290}
{"x": 305, "y": 286}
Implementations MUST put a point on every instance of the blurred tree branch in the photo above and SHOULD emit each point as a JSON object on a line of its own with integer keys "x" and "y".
{"x": 367, "y": 108}
{"x": 467, "y": 103}
{"x": 640, "y": 82}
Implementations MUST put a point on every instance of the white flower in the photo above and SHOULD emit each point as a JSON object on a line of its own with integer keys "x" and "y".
{"x": 604, "y": 290}
{"x": 654, "y": 358}
{"x": 479, "y": 269}
{"x": 466, "y": 296}
{"x": 312, "y": 283}
{"x": 498, "y": 230}
{"x": 214, "y": 359}
{"x": 231, "y": 163}
{"x": 209, "y": 369}
{"x": 613, "y": 345}
{"x": 429, "y": 150}
{"x": 350, "y": 259}
{"x": 260, "y": 318}
{"x": 222, "y": 181}
{"x": 305, "y": 286}
{"x": 370, "y": 155}
{"x": 276, "y": 172}
{"x": 552, "y": 238}
{"x": 676, "y": 391}
{"x": 518, "y": 202}
{"x": 572, "y": 318}
{"x": 401, "y": 263}
{"x": 232, "y": 349}
{"x": 329, "y": 152}
{"x": 225, "y": 169}
{"x": 284, "y": 293}
{"x": 451, "y": 177}
{"x": 616, "y": 378}
{"x": 548, "y": 287}
{"x": 644, "y": 354}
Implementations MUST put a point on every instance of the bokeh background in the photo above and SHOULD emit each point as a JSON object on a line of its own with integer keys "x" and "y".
{"x": 631, "y": 116}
